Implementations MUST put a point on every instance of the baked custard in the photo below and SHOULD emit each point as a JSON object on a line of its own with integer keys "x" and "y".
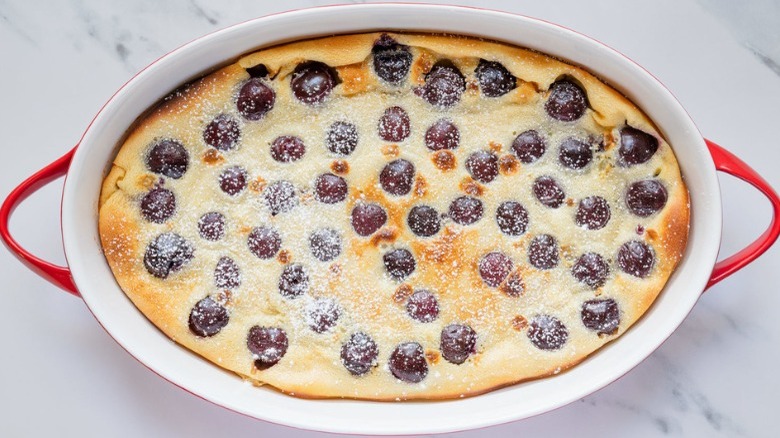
{"x": 394, "y": 216}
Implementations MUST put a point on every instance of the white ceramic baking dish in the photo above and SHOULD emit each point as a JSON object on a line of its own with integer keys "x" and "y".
{"x": 88, "y": 275}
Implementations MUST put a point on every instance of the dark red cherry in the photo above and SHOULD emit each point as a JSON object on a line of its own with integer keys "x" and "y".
{"x": 233, "y": 180}
{"x": 529, "y": 146}
{"x": 207, "y": 318}
{"x": 423, "y": 220}
{"x": 255, "y": 99}
{"x": 211, "y": 226}
{"x": 394, "y": 124}
{"x": 646, "y": 197}
{"x": 592, "y": 213}
{"x": 342, "y": 138}
{"x": 601, "y": 315}
{"x": 168, "y": 158}
{"x": 267, "y": 344}
{"x": 222, "y": 132}
{"x": 512, "y": 218}
{"x": 591, "y": 269}
{"x": 322, "y": 314}
{"x": 444, "y": 85}
{"x": 325, "y": 244}
{"x": 359, "y": 353}
{"x": 397, "y": 177}
{"x": 636, "y": 147}
{"x": 443, "y": 134}
{"x": 407, "y": 362}
{"x": 368, "y": 218}
{"x": 313, "y": 81}
{"x": 574, "y": 154}
{"x": 494, "y": 267}
{"x": 543, "y": 252}
{"x": 567, "y": 101}
{"x": 636, "y": 258}
{"x": 294, "y": 281}
{"x": 458, "y": 342}
{"x": 227, "y": 274}
{"x": 264, "y": 242}
{"x": 167, "y": 253}
{"x": 482, "y": 166}
{"x": 465, "y": 210}
{"x": 280, "y": 197}
{"x": 391, "y": 60}
{"x": 494, "y": 79}
{"x": 287, "y": 148}
{"x": 399, "y": 263}
{"x": 547, "y": 332}
{"x": 548, "y": 192}
{"x": 423, "y": 306}
{"x": 158, "y": 205}
{"x": 330, "y": 188}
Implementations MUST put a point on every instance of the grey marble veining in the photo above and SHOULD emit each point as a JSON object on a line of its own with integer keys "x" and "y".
{"x": 716, "y": 376}
{"x": 754, "y": 24}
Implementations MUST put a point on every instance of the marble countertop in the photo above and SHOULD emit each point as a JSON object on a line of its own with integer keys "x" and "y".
{"x": 61, "y": 374}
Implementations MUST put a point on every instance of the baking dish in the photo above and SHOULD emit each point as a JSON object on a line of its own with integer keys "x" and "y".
{"x": 89, "y": 272}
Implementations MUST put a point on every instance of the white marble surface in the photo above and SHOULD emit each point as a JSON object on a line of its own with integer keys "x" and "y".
{"x": 60, "y": 374}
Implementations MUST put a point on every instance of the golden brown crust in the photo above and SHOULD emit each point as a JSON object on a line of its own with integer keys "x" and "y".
{"x": 447, "y": 262}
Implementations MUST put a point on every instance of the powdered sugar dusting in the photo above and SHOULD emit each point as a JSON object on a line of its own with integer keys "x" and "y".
{"x": 252, "y": 228}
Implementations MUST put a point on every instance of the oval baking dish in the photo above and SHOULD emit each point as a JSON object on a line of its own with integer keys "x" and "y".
{"x": 88, "y": 275}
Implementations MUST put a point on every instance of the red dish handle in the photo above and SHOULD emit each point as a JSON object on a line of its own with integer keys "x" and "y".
{"x": 58, "y": 275}
{"x": 727, "y": 162}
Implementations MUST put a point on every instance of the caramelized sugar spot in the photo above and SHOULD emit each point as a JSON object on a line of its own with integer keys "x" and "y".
{"x": 519, "y": 323}
{"x": 444, "y": 160}
{"x": 339, "y": 167}
{"x": 390, "y": 150}
{"x": 384, "y": 235}
{"x": 508, "y": 164}
{"x": 420, "y": 186}
{"x": 212, "y": 156}
{"x": 402, "y": 293}
{"x": 258, "y": 185}
{"x": 471, "y": 187}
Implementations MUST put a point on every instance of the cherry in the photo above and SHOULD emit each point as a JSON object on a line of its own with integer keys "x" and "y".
{"x": 423, "y": 306}
{"x": 529, "y": 146}
{"x": 423, "y": 221}
{"x": 168, "y": 158}
{"x": 368, "y": 218}
{"x": 207, "y": 318}
{"x": 458, "y": 342}
{"x": 267, "y": 344}
{"x": 397, "y": 177}
{"x": 313, "y": 81}
{"x": 294, "y": 281}
{"x": 567, "y": 101}
{"x": 407, "y": 362}
{"x": 465, "y": 210}
{"x": 443, "y": 134}
{"x": 399, "y": 263}
{"x": 255, "y": 99}
{"x": 494, "y": 79}
{"x": 222, "y": 132}
{"x": 359, "y": 354}
{"x": 287, "y": 148}
{"x": 547, "y": 332}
